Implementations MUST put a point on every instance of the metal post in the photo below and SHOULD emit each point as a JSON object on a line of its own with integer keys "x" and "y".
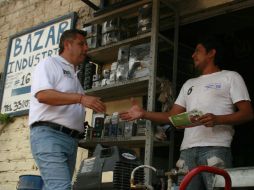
{"x": 152, "y": 88}
{"x": 174, "y": 74}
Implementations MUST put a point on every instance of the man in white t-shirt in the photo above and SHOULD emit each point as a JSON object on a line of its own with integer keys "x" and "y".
{"x": 57, "y": 111}
{"x": 223, "y": 98}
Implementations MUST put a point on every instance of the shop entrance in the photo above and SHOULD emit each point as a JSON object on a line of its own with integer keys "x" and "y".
{"x": 236, "y": 30}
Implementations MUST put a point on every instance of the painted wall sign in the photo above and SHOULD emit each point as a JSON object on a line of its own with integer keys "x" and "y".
{"x": 25, "y": 50}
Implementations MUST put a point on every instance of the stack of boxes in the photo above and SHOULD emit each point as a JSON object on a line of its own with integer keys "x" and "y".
{"x": 93, "y": 35}
{"x": 98, "y": 124}
{"x": 112, "y": 31}
{"x": 111, "y": 126}
{"x": 89, "y": 70}
{"x": 145, "y": 19}
{"x": 122, "y": 63}
{"x": 139, "y": 61}
{"x": 132, "y": 61}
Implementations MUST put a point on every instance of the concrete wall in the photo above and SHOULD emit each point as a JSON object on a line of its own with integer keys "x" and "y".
{"x": 15, "y": 156}
{"x": 17, "y": 16}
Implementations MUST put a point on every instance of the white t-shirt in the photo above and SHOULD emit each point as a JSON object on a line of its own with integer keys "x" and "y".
{"x": 56, "y": 73}
{"x": 214, "y": 93}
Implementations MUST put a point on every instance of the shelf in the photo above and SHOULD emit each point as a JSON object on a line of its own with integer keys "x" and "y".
{"x": 131, "y": 142}
{"x": 121, "y": 90}
{"x": 148, "y": 85}
{"x": 108, "y": 53}
{"x": 133, "y": 7}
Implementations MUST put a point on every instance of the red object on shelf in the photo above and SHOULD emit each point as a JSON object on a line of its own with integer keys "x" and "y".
{"x": 210, "y": 169}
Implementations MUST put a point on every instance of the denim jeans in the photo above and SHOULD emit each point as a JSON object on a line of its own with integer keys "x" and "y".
{"x": 212, "y": 156}
{"x": 55, "y": 155}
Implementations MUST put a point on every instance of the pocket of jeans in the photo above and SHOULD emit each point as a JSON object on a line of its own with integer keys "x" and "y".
{"x": 41, "y": 139}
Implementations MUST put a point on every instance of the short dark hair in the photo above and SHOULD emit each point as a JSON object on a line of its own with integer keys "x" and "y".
{"x": 213, "y": 42}
{"x": 68, "y": 35}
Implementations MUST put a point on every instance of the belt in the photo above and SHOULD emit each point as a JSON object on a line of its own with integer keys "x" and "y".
{"x": 71, "y": 132}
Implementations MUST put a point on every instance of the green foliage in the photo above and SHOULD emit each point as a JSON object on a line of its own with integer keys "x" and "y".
{"x": 5, "y": 118}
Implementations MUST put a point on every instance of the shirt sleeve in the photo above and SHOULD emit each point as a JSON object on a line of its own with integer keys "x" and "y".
{"x": 238, "y": 89}
{"x": 181, "y": 100}
{"x": 42, "y": 76}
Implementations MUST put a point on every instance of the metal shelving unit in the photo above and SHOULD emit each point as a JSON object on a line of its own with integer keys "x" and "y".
{"x": 125, "y": 89}
{"x": 128, "y": 9}
{"x": 100, "y": 55}
{"x": 132, "y": 142}
{"x": 136, "y": 87}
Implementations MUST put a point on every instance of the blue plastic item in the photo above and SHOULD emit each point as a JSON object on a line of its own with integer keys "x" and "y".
{"x": 30, "y": 182}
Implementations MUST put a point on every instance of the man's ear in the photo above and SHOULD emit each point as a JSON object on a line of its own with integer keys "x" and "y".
{"x": 66, "y": 44}
{"x": 212, "y": 53}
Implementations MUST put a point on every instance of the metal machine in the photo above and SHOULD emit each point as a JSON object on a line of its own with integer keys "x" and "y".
{"x": 108, "y": 169}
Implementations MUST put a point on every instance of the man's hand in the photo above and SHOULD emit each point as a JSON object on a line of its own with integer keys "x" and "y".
{"x": 208, "y": 120}
{"x": 93, "y": 103}
{"x": 135, "y": 112}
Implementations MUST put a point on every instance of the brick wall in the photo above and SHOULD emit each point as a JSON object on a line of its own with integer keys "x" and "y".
{"x": 17, "y": 16}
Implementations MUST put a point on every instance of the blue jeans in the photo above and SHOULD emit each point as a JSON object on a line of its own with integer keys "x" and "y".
{"x": 211, "y": 156}
{"x": 55, "y": 155}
